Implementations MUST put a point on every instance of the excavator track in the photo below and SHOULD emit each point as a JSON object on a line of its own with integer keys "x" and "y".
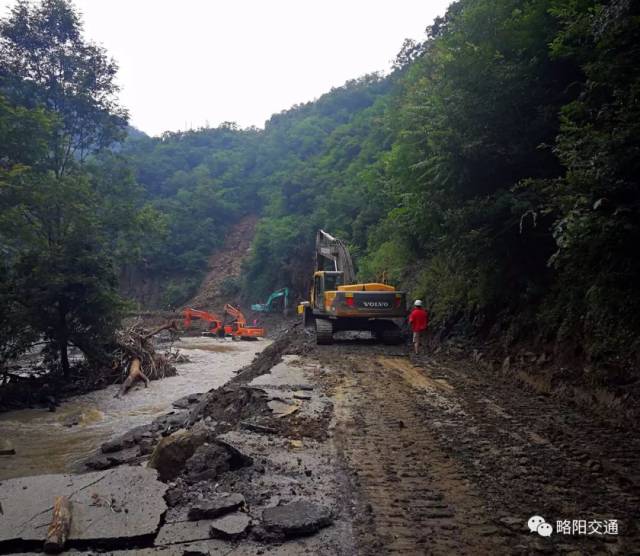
{"x": 391, "y": 335}
{"x": 324, "y": 331}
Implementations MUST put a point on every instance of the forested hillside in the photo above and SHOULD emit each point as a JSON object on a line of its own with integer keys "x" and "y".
{"x": 497, "y": 179}
{"x": 202, "y": 181}
{"x": 492, "y": 173}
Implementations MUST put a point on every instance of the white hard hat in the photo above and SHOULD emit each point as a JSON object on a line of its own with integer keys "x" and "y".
{"x": 418, "y": 303}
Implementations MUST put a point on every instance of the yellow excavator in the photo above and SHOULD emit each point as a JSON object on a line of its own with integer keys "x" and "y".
{"x": 339, "y": 303}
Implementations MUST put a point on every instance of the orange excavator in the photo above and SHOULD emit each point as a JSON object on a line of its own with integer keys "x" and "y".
{"x": 215, "y": 324}
{"x": 239, "y": 327}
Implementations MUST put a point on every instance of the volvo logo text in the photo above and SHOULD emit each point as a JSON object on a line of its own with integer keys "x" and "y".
{"x": 376, "y": 303}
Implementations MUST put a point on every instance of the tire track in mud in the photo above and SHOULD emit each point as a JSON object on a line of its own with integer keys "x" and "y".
{"x": 447, "y": 460}
{"x": 531, "y": 454}
{"x": 415, "y": 499}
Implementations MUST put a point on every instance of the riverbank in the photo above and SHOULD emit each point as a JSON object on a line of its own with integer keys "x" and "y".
{"x": 34, "y": 381}
{"x": 57, "y": 442}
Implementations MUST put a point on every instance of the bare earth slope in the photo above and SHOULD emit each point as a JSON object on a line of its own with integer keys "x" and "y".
{"x": 225, "y": 264}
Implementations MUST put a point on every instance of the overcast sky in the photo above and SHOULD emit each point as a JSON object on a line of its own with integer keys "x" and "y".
{"x": 190, "y": 63}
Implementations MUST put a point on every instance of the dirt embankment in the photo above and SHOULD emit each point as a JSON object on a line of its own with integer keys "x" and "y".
{"x": 611, "y": 393}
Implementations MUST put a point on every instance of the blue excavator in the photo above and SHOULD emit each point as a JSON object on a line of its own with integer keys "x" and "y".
{"x": 278, "y": 302}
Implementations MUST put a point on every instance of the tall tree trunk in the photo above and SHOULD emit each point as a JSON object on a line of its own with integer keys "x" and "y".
{"x": 64, "y": 357}
{"x": 63, "y": 339}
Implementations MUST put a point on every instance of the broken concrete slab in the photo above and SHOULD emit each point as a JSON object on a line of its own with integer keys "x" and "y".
{"x": 121, "y": 503}
{"x": 298, "y": 518}
{"x": 283, "y": 402}
{"x": 230, "y": 527}
{"x": 188, "y": 401}
{"x": 205, "y": 547}
{"x": 257, "y": 427}
{"x": 215, "y": 507}
{"x": 127, "y": 440}
{"x": 170, "y": 422}
{"x": 111, "y": 446}
{"x": 302, "y": 395}
{"x": 6, "y": 448}
{"x": 213, "y": 459}
{"x": 281, "y": 408}
{"x": 101, "y": 462}
{"x": 284, "y": 375}
{"x": 183, "y": 531}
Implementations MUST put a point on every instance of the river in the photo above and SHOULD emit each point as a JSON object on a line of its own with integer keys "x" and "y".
{"x": 44, "y": 442}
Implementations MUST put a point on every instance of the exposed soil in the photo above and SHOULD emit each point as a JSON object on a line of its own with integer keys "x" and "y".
{"x": 446, "y": 457}
{"x": 225, "y": 264}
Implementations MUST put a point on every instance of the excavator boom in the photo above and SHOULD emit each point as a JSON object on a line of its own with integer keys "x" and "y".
{"x": 216, "y": 327}
{"x": 271, "y": 304}
{"x": 334, "y": 250}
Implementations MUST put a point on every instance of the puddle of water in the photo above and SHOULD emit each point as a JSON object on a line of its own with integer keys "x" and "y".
{"x": 45, "y": 443}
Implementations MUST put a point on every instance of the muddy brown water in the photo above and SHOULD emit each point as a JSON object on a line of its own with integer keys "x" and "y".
{"x": 45, "y": 443}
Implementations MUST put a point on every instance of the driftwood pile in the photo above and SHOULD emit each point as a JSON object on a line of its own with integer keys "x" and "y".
{"x": 136, "y": 356}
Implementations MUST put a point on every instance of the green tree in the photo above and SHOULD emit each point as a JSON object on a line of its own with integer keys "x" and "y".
{"x": 597, "y": 201}
{"x": 46, "y": 62}
{"x": 60, "y": 223}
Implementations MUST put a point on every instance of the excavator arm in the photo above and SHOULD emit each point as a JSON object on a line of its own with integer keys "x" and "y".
{"x": 235, "y": 313}
{"x": 336, "y": 251}
{"x": 268, "y": 306}
{"x": 239, "y": 328}
{"x": 190, "y": 314}
{"x": 214, "y": 321}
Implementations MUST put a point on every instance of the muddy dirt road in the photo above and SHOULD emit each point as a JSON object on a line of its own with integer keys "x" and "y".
{"x": 444, "y": 459}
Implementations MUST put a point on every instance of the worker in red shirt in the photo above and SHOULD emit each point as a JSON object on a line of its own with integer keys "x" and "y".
{"x": 419, "y": 321}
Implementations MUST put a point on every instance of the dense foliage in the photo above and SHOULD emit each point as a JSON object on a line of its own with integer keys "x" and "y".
{"x": 492, "y": 173}
{"x": 62, "y": 221}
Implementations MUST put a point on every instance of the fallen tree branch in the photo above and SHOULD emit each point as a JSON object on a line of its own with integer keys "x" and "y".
{"x": 137, "y": 359}
{"x": 168, "y": 326}
{"x": 135, "y": 374}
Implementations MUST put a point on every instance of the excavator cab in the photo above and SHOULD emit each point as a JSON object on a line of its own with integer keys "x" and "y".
{"x": 239, "y": 328}
{"x": 325, "y": 281}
